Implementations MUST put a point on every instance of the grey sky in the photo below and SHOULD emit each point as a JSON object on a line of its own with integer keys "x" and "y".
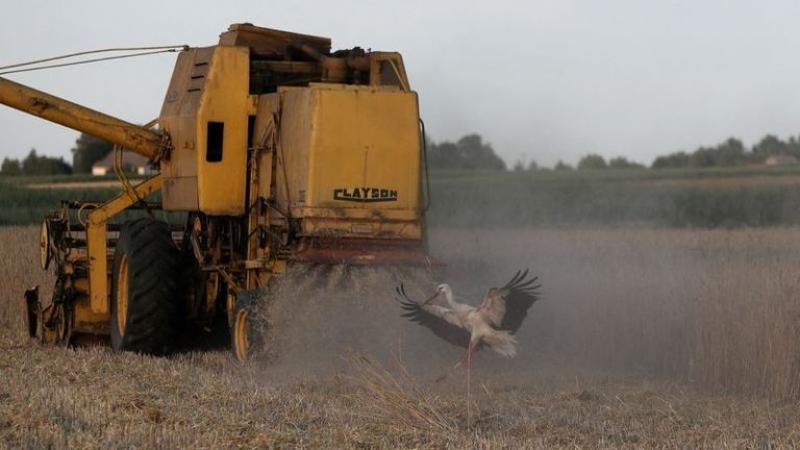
{"x": 547, "y": 79}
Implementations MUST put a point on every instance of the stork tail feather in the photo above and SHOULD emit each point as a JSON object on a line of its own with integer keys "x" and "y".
{"x": 502, "y": 342}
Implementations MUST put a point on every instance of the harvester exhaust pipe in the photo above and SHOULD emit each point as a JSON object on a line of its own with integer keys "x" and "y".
{"x": 49, "y": 107}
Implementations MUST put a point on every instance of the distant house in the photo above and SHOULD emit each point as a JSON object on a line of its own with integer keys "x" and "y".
{"x": 131, "y": 163}
{"x": 781, "y": 160}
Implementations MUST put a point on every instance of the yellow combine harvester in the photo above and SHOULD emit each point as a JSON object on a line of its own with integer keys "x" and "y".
{"x": 277, "y": 149}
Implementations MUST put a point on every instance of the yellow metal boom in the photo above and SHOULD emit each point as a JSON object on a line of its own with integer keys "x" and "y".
{"x": 127, "y": 135}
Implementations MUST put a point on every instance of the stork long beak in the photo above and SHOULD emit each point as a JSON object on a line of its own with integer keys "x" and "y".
{"x": 430, "y": 299}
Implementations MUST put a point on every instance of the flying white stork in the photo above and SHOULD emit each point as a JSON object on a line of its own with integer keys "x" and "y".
{"x": 493, "y": 323}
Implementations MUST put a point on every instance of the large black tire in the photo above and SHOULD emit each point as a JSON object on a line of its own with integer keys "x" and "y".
{"x": 145, "y": 288}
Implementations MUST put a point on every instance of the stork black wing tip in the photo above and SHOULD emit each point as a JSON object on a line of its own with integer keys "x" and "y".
{"x": 401, "y": 297}
{"x": 518, "y": 277}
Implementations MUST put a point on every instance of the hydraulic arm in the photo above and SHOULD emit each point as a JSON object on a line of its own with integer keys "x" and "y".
{"x": 49, "y": 107}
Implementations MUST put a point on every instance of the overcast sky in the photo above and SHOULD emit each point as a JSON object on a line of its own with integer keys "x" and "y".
{"x": 543, "y": 80}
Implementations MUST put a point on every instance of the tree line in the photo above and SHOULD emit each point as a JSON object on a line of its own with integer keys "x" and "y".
{"x": 87, "y": 151}
{"x": 731, "y": 152}
{"x": 471, "y": 152}
{"x": 35, "y": 164}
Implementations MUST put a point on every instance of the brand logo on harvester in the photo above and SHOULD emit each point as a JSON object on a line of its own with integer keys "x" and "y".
{"x": 365, "y": 194}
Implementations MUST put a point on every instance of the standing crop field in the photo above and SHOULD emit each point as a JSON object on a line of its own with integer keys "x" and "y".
{"x": 722, "y": 198}
{"x": 643, "y": 339}
{"x": 712, "y": 198}
{"x": 26, "y": 200}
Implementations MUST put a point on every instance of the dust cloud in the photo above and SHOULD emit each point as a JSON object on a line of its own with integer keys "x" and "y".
{"x": 318, "y": 315}
{"x": 620, "y": 301}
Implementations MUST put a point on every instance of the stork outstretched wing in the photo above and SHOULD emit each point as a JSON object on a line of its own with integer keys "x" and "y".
{"x": 442, "y": 321}
{"x": 507, "y": 306}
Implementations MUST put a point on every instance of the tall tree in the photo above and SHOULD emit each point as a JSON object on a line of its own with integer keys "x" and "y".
{"x": 469, "y": 153}
{"x": 561, "y": 166}
{"x": 592, "y": 161}
{"x": 702, "y": 157}
{"x": 444, "y": 156}
{"x": 769, "y": 145}
{"x": 10, "y": 167}
{"x": 730, "y": 153}
{"x": 621, "y": 162}
{"x": 34, "y": 164}
{"x": 87, "y": 151}
{"x": 478, "y": 154}
{"x": 672, "y": 161}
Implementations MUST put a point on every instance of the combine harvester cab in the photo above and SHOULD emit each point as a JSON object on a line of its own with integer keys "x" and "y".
{"x": 275, "y": 150}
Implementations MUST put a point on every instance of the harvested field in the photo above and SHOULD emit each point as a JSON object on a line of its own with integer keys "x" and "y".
{"x": 644, "y": 339}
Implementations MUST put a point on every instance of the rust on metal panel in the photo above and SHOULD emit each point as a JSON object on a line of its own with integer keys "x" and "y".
{"x": 364, "y": 252}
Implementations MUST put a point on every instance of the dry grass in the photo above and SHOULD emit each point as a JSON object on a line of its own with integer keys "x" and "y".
{"x": 20, "y": 269}
{"x": 718, "y": 308}
{"x": 644, "y": 339}
{"x": 397, "y": 402}
{"x": 749, "y": 327}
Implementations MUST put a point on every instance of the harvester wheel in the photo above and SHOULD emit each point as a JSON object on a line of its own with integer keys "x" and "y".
{"x": 246, "y": 334}
{"x": 145, "y": 288}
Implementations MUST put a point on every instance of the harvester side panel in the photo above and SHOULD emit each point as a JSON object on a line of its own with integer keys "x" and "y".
{"x": 353, "y": 155}
{"x": 377, "y": 131}
{"x": 296, "y": 127}
{"x": 178, "y": 120}
{"x": 206, "y": 115}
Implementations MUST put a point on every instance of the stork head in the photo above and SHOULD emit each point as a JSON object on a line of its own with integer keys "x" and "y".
{"x": 442, "y": 289}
